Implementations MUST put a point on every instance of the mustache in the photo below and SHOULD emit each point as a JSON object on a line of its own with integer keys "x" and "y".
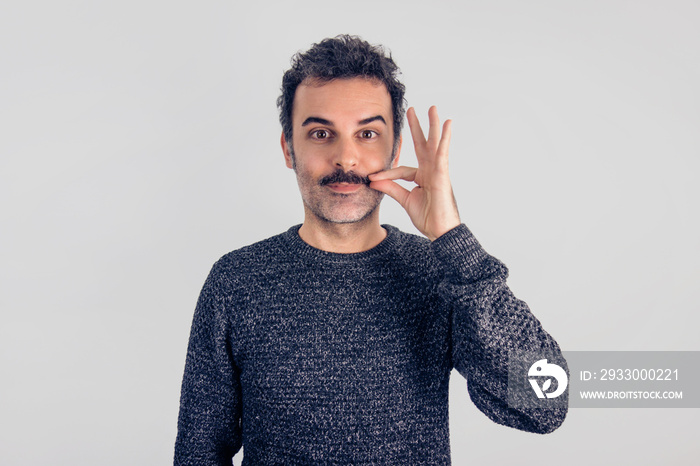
{"x": 340, "y": 176}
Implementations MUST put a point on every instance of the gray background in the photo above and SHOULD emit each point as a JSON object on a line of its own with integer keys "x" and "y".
{"x": 139, "y": 142}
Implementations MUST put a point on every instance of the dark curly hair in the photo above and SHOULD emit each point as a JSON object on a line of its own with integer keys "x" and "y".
{"x": 343, "y": 56}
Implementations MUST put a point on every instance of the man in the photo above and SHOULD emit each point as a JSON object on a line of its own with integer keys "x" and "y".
{"x": 333, "y": 343}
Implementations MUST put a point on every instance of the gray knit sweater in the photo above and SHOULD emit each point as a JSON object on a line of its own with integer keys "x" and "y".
{"x": 308, "y": 357}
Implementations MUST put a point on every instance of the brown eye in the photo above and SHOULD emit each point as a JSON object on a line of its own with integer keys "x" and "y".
{"x": 321, "y": 134}
{"x": 367, "y": 134}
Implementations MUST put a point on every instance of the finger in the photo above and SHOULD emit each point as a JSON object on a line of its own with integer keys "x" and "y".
{"x": 393, "y": 189}
{"x": 402, "y": 173}
{"x": 416, "y": 130}
{"x": 434, "y": 131}
{"x": 444, "y": 147}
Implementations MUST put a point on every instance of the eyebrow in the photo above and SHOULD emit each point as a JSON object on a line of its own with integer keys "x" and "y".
{"x": 371, "y": 119}
{"x": 323, "y": 121}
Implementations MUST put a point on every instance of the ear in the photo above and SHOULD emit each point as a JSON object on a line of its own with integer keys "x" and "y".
{"x": 286, "y": 152}
{"x": 395, "y": 162}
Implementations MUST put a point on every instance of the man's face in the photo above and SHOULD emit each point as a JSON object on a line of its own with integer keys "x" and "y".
{"x": 342, "y": 132}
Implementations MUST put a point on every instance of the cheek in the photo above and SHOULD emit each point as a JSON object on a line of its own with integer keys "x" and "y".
{"x": 311, "y": 167}
{"x": 309, "y": 171}
{"x": 383, "y": 158}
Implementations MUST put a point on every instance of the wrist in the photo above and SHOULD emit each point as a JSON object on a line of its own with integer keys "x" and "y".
{"x": 443, "y": 229}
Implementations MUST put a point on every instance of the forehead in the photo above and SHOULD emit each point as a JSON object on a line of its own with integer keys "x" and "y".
{"x": 354, "y": 98}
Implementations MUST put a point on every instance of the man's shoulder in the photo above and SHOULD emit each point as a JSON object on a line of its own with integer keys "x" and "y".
{"x": 255, "y": 255}
{"x": 408, "y": 243}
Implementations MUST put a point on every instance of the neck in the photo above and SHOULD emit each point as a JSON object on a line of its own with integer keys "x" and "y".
{"x": 342, "y": 238}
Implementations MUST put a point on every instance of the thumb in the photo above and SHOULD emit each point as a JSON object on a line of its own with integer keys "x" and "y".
{"x": 393, "y": 189}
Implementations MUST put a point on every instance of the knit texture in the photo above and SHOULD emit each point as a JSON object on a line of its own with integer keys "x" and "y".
{"x": 307, "y": 357}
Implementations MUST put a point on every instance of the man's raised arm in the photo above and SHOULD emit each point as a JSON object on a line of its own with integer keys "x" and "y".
{"x": 488, "y": 321}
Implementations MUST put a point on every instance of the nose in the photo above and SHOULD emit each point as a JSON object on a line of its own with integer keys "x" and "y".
{"x": 346, "y": 154}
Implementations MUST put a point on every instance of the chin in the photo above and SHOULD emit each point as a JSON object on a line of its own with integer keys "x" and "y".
{"x": 344, "y": 212}
{"x": 348, "y": 218}
{"x": 347, "y": 215}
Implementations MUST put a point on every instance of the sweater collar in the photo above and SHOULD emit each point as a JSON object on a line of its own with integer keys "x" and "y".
{"x": 297, "y": 247}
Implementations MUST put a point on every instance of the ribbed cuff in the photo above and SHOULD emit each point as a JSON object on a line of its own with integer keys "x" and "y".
{"x": 458, "y": 253}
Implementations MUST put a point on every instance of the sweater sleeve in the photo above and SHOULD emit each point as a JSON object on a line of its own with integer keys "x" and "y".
{"x": 209, "y": 431}
{"x": 488, "y": 321}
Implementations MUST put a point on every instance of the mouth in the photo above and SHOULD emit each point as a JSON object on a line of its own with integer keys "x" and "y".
{"x": 344, "y": 188}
